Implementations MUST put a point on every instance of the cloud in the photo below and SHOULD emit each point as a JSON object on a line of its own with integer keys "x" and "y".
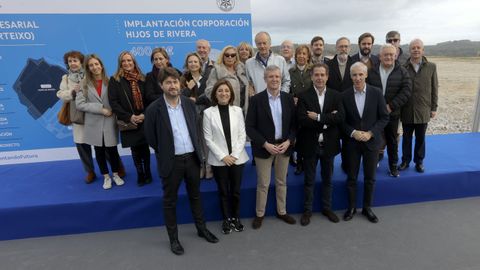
{"x": 432, "y": 20}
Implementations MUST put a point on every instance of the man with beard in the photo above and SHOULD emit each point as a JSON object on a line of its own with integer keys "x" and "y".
{"x": 365, "y": 44}
{"x": 171, "y": 130}
{"x": 317, "y": 45}
{"x": 339, "y": 74}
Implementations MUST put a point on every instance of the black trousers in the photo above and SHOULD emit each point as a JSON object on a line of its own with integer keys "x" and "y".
{"x": 185, "y": 167}
{"x": 326, "y": 171}
{"x": 141, "y": 159}
{"x": 101, "y": 156}
{"x": 391, "y": 140}
{"x": 419, "y": 150}
{"x": 85, "y": 152}
{"x": 229, "y": 181}
{"x": 355, "y": 152}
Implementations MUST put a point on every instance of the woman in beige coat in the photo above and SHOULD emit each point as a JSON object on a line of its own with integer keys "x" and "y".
{"x": 68, "y": 87}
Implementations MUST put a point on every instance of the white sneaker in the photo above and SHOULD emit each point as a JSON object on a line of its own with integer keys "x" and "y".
{"x": 107, "y": 183}
{"x": 118, "y": 181}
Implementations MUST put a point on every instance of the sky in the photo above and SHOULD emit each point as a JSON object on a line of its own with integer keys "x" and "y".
{"x": 433, "y": 21}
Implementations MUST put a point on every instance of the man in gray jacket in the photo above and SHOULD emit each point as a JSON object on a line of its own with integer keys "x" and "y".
{"x": 420, "y": 108}
{"x": 255, "y": 66}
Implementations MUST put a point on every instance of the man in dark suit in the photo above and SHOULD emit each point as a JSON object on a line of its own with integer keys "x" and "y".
{"x": 394, "y": 81}
{"x": 319, "y": 112}
{"x": 365, "y": 117}
{"x": 171, "y": 130}
{"x": 270, "y": 125}
{"x": 339, "y": 66}
{"x": 365, "y": 44}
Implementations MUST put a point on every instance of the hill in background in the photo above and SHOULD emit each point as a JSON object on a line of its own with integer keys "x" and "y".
{"x": 456, "y": 48}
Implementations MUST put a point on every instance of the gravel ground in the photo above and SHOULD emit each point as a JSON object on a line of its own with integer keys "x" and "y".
{"x": 458, "y": 89}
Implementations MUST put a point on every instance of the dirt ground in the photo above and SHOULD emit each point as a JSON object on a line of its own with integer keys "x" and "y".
{"x": 458, "y": 89}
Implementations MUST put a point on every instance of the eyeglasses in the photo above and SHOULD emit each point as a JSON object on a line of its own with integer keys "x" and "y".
{"x": 392, "y": 40}
{"x": 233, "y": 55}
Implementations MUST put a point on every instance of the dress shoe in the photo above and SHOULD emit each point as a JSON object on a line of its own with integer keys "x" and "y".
{"x": 257, "y": 222}
{"x": 305, "y": 219}
{"x": 207, "y": 235}
{"x": 403, "y": 166}
{"x": 330, "y": 215}
{"x": 90, "y": 177}
{"x": 370, "y": 215}
{"x": 349, "y": 214}
{"x": 419, "y": 168}
{"x": 394, "y": 171}
{"x": 176, "y": 248}
{"x": 287, "y": 218}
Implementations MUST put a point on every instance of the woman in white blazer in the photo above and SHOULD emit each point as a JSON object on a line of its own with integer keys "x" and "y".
{"x": 100, "y": 129}
{"x": 225, "y": 136}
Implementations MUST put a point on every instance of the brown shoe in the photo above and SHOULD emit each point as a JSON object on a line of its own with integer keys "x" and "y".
{"x": 90, "y": 177}
{"x": 121, "y": 172}
{"x": 257, "y": 222}
{"x": 287, "y": 218}
{"x": 305, "y": 219}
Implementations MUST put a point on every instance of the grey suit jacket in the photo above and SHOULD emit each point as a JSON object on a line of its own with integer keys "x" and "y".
{"x": 97, "y": 127}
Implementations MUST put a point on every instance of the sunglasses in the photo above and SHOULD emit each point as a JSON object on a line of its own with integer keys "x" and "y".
{"x": 392, "y": 40}
{"x": 230, "y": 55}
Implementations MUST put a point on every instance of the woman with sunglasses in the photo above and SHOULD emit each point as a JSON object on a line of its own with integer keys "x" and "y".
{"x": 228, "y": 67}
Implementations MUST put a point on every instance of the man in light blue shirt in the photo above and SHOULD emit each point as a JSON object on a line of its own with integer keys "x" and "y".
{"x": 171, "y": 130}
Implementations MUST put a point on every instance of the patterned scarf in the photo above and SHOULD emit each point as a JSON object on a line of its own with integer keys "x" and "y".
{"x": 76, "y": 76}
{"x": 133, "y": 78}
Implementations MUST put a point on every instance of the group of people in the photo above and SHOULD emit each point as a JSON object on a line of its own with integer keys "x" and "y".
{"x": 198, "y": 121}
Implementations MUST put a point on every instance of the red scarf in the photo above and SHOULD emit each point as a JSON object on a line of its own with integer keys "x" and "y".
{"x": 133, "y": 78}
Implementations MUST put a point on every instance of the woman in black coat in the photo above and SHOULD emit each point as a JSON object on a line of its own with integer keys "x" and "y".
{"x": 160, "y": 60}
{"x": 127, "y": 98}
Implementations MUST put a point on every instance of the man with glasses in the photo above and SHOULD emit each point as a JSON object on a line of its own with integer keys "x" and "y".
{"x": 393, "y": 37}
{"x": 339, "y": 66}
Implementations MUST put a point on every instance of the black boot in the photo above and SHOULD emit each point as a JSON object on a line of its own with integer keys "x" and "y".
{"x": 175, "y": 245}
{"x": 137, "y": 160}
{"x": 146, "y": 168}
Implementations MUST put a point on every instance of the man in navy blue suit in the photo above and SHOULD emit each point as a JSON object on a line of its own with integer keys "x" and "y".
{"x": 171, "y": 130}
{"x": 365, "y": 118}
